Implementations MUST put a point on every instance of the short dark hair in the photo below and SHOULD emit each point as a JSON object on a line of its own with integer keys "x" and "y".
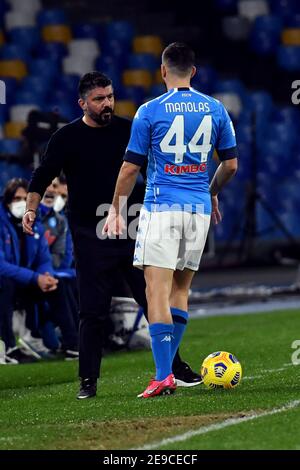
{"x": 179, "y": 57}
{"x": 92, "y": 80}
{"x": 62, "y": 178}
{"x": 11, "y": 188}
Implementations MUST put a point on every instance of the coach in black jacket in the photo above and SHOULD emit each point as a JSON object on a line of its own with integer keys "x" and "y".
{"x": 90, "y": 151}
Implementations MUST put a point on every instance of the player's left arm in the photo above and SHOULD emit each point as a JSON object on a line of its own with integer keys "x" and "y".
{"x": 227, "y": 154}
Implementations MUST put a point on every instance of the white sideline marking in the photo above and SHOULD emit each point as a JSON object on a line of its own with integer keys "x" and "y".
{"x": 266, "y": 371}
{"x": 218, "y": 426}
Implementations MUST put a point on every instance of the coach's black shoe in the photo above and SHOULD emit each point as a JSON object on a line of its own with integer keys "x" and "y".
{"x": 88, "y": 389}
{"x": 185, "y": 376}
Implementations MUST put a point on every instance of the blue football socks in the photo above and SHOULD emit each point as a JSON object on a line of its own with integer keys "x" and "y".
{"x": 161, "y": 339}
{"x": 180, "y": 318}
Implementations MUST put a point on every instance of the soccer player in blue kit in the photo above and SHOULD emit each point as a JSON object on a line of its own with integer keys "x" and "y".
{"x": 177, "y": 133}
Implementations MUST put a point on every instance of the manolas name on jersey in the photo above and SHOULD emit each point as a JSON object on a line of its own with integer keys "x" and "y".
{"x": 178, "y": 133}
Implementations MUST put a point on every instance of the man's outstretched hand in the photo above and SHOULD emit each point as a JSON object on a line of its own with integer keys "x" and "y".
{"x": 114, "y": 225}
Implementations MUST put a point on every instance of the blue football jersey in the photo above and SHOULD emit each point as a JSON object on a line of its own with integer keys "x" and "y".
{"x": 178, "y": 132}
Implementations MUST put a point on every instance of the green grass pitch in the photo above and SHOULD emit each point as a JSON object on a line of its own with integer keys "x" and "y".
{"x": 38, "y": 409}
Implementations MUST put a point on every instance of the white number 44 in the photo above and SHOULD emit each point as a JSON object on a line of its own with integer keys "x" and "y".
{"x": 179, "y": 148}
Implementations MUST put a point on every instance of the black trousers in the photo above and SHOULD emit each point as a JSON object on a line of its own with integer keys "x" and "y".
{"x": 96, "y": 267}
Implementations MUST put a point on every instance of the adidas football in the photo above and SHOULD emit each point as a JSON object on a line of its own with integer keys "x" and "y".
{"x": 221, "y": 370}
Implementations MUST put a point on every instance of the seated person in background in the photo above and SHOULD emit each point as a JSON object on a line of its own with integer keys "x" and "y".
{"x": 24, "y": 261}
{"x": 55, "y": 226}
{"x": 60, "y": 184}
{"x": 27, "y": 276}
{"x": 60, "y": 206}
{"x": 59, "y": 240}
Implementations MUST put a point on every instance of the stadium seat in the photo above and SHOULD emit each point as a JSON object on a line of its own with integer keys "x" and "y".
{"x": 87, "y": 47}
{"x": 87, "y": 30}
{"x": 58, "y": 32}
{"x": 121, "y": 30}
{"x": 225, "y": 5}
{"x": 19, "y": 18}
{"x": 3, "y": 114}
{"x": 265, "y": 34}
{"x": 27, "y": 5}
{"x": 14, "y": 51}
{"x": 67, "y": 96}
{"x": 10, "y": 87}
{"x": 287, "y": 114}
{"x": 115, "y": 75}
{"x": 244, "y": 133}
{"x": 285, "y": 8}
{"x": 269, "y": 22}
{"x": 132, "y": 93}
{"x": 28, "y": 97}
{"x": 54, "y": 16}
{"x": 105, "y": 61}
{"x": 264, "y": 42}
{"x": 13, "y": 68}
{"x": 204, "y": 79}
{"x": 291, "y": 37}
{"x": 46, "y": 68}
{"x": 288, "y": 57}
{"x": 68, "y": 83}
{"x": 77, "y": 65}
{"x": 236, "y": 28}
{"x": 35, "y": 84}
{"x": 125, "y": 108}
{"x": 51, "y": 50}
{"x": 230, "y": 86}
{"x": 251, "y": 9}
{"x": 148, "y": 45}
{"x": 137, "y": 78}
{"x": 143, "y": 61}
{"x": 13, "y": 130}
{"x": 26, "y": 36}
{"x": 64, "y": 109}
{"x": 19, "y": 112}
{"x": 293, "y": 20}
{"x": 285, "y": 132}
{"x": 231, "y": 101}
{"x": 10, "y": 146}
{"x": 261, "y": 102}
{"x": 4, "y": 171}
{"x": 117, "y": 49}
{"x": 271, "y": 157}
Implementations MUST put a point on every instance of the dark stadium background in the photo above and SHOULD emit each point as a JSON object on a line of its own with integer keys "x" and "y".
{"x": 248, "y": 55}
{"x": 245, "y": 298}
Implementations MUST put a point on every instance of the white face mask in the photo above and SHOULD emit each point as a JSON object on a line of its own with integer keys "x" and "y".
{"x": 18, "y": 209}
{"x": 59, "y": 203}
